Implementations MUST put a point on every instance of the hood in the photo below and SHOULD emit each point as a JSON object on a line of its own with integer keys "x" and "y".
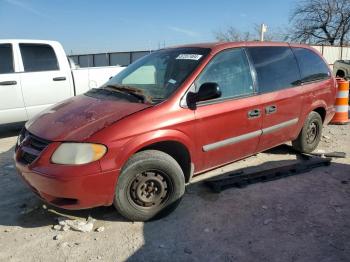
{"x": 79, "y": 117}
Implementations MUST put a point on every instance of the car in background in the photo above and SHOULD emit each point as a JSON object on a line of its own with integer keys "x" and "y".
{"x": 174, "y": 114}
{"x": 35, "y": 74}
{"x": 341, "y": 68}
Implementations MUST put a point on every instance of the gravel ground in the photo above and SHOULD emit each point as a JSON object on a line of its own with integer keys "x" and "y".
{"x": 299, "y": 218}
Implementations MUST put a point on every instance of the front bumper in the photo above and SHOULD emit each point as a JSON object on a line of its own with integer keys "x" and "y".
{"x": 68, "y": 187}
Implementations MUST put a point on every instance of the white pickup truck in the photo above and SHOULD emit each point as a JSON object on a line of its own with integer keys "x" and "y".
{"x": 35, "y": 74}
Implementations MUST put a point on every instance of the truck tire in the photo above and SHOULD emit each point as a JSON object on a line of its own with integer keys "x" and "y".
{"x": 150, "y": 186}
{"x": 310, "y": 134}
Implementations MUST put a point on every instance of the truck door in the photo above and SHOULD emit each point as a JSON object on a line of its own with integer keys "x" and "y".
{"x": 44, "y": 80}
{"x": 229, "y": 127}
{"x": 278, "y": 79}
{"x": 11, "y": 100}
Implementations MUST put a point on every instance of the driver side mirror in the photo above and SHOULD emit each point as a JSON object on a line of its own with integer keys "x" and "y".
{"x": 207, "y": 91}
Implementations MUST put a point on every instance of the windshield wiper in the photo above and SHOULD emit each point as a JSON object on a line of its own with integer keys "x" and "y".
{"x": 136, "y": 92}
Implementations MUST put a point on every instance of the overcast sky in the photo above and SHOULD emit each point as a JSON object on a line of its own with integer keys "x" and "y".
{"x": 88, "y": 26}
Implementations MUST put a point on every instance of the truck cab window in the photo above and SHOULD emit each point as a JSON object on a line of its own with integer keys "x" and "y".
{"x": 6, "y": 59}
{"x": 38, "y": 57}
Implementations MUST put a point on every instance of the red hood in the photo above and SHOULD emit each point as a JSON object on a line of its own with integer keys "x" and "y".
{"x": 79, "y": 117}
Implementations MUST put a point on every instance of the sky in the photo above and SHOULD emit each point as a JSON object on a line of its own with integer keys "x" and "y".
{"x": 90, "y": 26}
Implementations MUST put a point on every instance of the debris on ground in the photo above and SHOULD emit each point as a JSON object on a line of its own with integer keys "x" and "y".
{"x": 76, "y": 224}
{"x": 267, "y": 221}
{"x": 187, "y": 250}
{"x": 28, "y": 210}
{"x": 57, "y": 237}
{"x": 240, "y": 178}
{"x": 57, "y": 227}
{"x": 100, "y": 229}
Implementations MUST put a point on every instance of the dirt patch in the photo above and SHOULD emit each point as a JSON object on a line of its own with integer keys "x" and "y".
{"x": 300, "y": 218}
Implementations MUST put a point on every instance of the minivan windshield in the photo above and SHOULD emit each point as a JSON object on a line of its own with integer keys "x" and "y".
{"x": 156, "y": 76}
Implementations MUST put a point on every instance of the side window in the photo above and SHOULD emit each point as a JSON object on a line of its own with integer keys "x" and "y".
{"x": 231, "y": 71}
{"x": 275, "y": 66}
{"x": 38, "y": 57}
{"x": 312, "y": 67}
{"x": 6, "y": 59}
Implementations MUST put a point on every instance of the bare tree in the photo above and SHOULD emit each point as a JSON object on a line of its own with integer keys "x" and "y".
{"x": 233, "y": 34}
{"x": 321, "y": 22}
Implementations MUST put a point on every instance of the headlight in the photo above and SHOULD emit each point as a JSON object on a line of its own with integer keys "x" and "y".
{"x": 78, "y": 153}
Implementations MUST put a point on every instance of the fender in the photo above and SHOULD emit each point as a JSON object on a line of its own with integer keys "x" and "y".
{"x": 134, "y": 144}
{"x": 315, "y": 104}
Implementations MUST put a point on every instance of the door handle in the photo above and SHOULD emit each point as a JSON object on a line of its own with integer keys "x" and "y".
{"x": 254, "y": 113}
{"x": 8, "y": 83}
{"x": 270, "y": 109}
{"x": 60, "y": 78}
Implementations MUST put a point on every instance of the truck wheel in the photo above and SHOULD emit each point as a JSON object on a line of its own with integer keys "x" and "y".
{"x": 150, "y": 186}
{"x": 310, "y": 134}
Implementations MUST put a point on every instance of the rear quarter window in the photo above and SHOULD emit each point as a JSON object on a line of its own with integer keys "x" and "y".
{"x": 312, "y": 67}
{"x": 38, "y": 57}
{"x": 276, "y": 68}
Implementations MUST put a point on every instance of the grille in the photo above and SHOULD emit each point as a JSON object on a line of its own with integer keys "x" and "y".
{"x": 31, "y": 146}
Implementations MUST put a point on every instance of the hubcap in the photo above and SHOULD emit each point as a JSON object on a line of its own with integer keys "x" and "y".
{"x": 312, "y": 132}
{"x": 149, "y": 189}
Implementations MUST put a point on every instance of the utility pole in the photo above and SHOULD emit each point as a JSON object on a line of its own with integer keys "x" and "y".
{"x": 263, "y": 29}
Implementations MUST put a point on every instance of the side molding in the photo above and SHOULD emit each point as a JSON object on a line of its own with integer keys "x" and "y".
{"x": 237, "y": 139}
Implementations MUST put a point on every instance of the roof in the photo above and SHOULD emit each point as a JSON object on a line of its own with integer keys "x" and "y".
{"x": 217, "y": 46}
{"x": 34, "y": 41}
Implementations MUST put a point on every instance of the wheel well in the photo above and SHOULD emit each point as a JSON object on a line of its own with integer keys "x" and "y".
{"x": 340, "y": 73}
{"x": 321, "y": 111}
{"x": 177, "y": 151}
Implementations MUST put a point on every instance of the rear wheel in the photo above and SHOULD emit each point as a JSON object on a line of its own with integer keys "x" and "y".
{"x": 150, "y": 186}
{"x": 310, "y": 135}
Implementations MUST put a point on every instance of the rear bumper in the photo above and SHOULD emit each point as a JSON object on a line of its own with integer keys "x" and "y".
{"x": 78, "y": 192}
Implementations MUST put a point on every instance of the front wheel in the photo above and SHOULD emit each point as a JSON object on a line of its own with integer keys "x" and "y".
{"x": 310, "y": 135}
{"x": 150, "y": 186}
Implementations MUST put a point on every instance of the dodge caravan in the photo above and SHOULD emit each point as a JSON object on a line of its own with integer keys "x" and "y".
{"x": 174, "y": 114}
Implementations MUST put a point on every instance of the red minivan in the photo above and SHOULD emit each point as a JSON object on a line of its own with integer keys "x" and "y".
{"x": 174, "y": 114}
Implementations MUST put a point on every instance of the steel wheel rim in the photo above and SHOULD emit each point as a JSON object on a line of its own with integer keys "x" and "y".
{"x": 149, "y": 189}
{"x": 312, "y": 132}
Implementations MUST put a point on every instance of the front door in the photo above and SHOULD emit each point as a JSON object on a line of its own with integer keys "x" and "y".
{"x": 11, "y": 100}
{"x": 229, "y": 127}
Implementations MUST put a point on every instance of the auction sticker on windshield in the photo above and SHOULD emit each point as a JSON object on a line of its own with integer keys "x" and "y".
{"x": 189, "y": 56}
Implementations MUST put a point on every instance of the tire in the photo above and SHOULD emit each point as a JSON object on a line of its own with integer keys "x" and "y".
{"x": 150, "y": 186}
{"x": 310, "y": 135}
